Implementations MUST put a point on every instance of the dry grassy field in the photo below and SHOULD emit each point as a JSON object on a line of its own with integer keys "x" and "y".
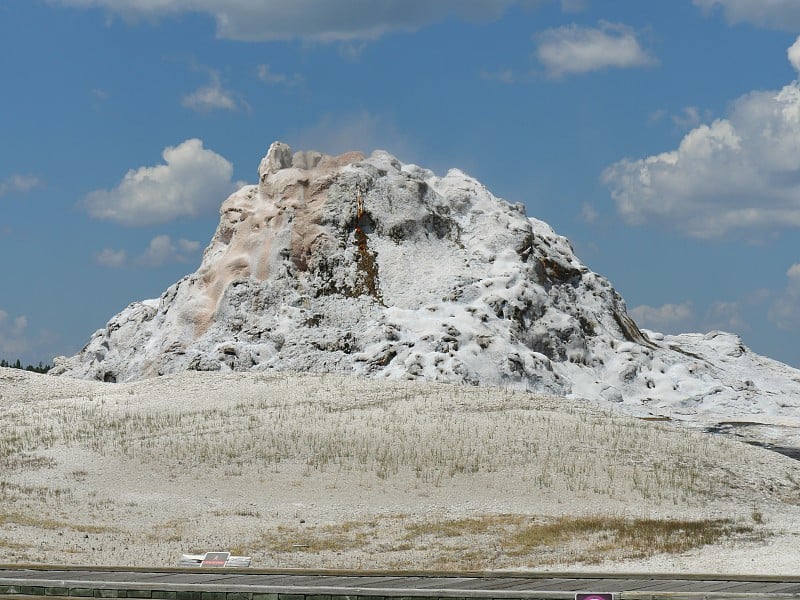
{"x": 328, "y": 471}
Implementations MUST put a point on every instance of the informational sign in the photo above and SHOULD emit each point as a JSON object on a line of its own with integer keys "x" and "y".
{"x": 591, "y": 596}
{"x": 215, "y": 559}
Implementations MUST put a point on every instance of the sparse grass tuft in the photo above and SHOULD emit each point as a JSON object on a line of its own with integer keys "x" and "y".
{"x": 43, "y": 522}
{"x": 273, "y": 430}
{"x": 172, "y": 530}
{"x": 499, "y": 541}
{"x": 529, "y": 541}
{"x": 606, "y": 536}
{"x": 313, "y": 539}
{"x": 461, "y": 527}
{"x": 432, "y": 432}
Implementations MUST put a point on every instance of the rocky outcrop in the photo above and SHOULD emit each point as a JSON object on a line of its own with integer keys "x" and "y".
{"x": 365, "y": 265}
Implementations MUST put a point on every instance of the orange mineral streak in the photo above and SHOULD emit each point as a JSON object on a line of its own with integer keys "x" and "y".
{"x": 283, "y": 214}
{"x": 366, "y": 260}
{"x": 359, "y": 205}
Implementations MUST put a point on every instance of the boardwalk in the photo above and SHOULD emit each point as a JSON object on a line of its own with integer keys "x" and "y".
{"x": 20, "y": 583}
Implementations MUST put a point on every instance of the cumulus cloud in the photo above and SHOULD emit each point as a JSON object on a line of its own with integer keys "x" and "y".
{"x": 668, "y": 318}
{"x": 725, "y": 316}
{"x": 18, "y": 341}
{"x": 793, "y": 53}
{"x": 785, "y": 310}
{"x": 363, "y": 131}
{"x": 574, "y": 6}
{"x": 775, "y": 14}
{"x": 214, "y": 97}
{"x": 738, "y": 173}
{"x": 268, "y": 75}
{"x": 12, "y": 334}
{"x": 193, "y": 181}
{"x": 113, "y": 259}
{"x": 162, "y": 250}
{"x": 13, "y": 327}
{"x": 98, "y": 97}
{"x": 688, "y": 117}
{"x": 677, "y": 318}
{"x": 589, "y": 213}
{"x": 351, "y": 50}
{"x": 574, "y": 50}
{"x": 314, "y": 20}
{"x": 19, "y": 184}
{"x": 657, "y": 115}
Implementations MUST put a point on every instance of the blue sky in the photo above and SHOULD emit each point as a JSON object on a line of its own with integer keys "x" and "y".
{"x": 662, "y": 138}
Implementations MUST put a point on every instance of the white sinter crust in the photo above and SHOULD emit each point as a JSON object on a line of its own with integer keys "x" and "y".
{"x": 368, "y": 266}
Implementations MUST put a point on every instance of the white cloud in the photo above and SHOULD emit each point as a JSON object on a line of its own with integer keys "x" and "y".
{"x": 678, "y": 318}
{"x": 162, "y": 249}
{"x": 213, "y": 97}
{"x": 757, "y": 296}
{"x": 589, "y": 213}
{"x": 573, "y": 49}
{"x": 208, "y": 98}
{"x": 785, "y": 310}
{"x": 17, "y": 341}
{"x": 725, "y": 316}
{"x": 12, "y": 335}
{"x": 668, "y": 318}
{"x": 351, "y": 50}
{"x": 98, "y": 97}
{"x": 20, "y": 184}
{"x": 267, "y": 75}
{"x": 188, "y": 245}
{"x": 688, "y": 117}
{"x": 314, "y": 20}
{"x": 657, "y": 115}
{"x": 738, "y": 173}
{"x": 776, "y": 14}
{"x": 113, "y": 259}
{"x": 193, "y": 181}
{"x": 742, "y": 172}
{"x": 793, "y": 54}
{"x": 574, "y": 6}
{"x": 361, "y": 131}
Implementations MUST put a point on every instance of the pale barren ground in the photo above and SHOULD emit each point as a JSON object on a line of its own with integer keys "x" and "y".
{"x": 335, "y": 472}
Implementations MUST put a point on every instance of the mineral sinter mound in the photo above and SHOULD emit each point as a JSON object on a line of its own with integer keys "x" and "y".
{"x": 365, "y": 265}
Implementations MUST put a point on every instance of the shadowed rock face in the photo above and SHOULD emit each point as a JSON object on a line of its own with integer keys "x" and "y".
{"x": 369, "y": 266}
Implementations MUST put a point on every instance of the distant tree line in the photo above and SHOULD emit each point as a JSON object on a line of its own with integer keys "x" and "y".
{"x": 40, "y": 368}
